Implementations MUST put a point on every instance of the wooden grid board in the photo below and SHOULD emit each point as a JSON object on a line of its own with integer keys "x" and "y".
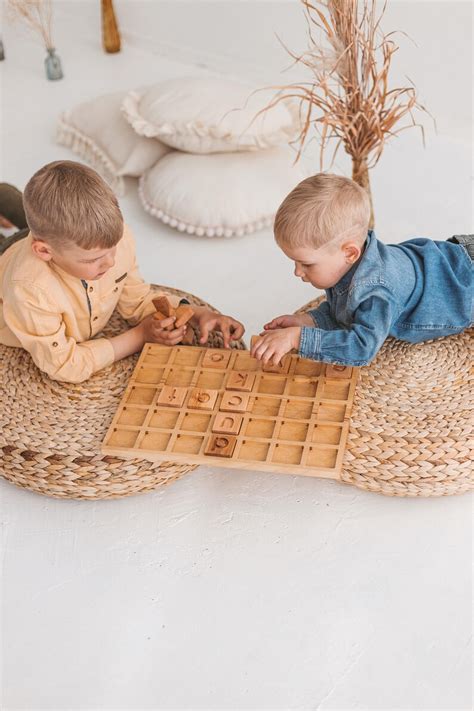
{"x": 221, "y": 407}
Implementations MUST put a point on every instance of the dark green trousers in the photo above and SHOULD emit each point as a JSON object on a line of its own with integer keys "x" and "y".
{"x": 11, "y": 207}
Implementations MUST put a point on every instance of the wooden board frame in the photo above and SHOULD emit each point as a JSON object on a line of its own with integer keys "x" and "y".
{"x": 294, "y": 423}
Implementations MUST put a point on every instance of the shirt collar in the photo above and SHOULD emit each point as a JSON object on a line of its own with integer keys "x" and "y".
{"x": 344, "y": 281}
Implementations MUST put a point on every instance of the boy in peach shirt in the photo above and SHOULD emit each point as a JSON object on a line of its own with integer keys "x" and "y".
{"x": 60, "y": 284}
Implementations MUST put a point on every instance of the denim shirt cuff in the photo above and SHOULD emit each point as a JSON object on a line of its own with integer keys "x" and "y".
{"x": 321, "y": 319}
{"x": 310, "y": 343}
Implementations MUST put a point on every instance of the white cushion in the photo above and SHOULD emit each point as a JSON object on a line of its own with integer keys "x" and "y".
{"x": 209, "y": 115}
{"x": 97, "y": 132}
{"x": 222, "y": 194}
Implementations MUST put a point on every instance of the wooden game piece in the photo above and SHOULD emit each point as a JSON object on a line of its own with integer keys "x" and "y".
{"x": 163, "y": 304}
{"x": 238, "y": 380}
{"x": 183, "y": 314}
{"x": 171, "y": 396}
{"x": 216, "y": 359}
{"x": 342, "y": 372}
{"x": 220, "y": 445}
{"x": 227, "y": 423}
{"x": 283, "y": 366}
{"x": 234, "y": 402}
{"x": 188, "y": 338}
{"x": 201, "y": 399}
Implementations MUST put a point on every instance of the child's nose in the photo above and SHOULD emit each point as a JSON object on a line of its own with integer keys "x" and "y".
{"x": 298, "y": 272}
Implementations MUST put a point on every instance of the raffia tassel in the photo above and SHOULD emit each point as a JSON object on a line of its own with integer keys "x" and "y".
{"x": 84, "y": 147}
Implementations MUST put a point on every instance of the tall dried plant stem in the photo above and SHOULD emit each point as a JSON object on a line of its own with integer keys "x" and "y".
{"x": 37, "y": 16}
{"x": 347, "y": 95}
{"x": 360, "y": 174}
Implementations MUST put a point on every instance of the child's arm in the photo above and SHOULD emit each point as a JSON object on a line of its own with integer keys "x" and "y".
{"x": 136, "y": 298}
{"x": 40, "y": 329}
{"x": 356, "y": 345}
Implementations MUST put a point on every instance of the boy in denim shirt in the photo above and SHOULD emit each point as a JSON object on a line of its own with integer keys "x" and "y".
{"x": 414, "y": 291}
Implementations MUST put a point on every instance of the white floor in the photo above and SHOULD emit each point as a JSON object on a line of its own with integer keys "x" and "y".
{"x": 229, "y": 589}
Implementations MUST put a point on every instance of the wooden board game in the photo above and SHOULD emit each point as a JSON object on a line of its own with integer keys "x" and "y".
{"x": 221, "y": 407}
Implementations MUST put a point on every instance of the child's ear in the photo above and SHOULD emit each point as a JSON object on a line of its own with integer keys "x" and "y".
{"x": 351, "y": 251}
{"x": 42, "y": 250}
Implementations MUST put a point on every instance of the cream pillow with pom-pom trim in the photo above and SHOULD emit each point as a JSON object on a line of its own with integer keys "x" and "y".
{"x": 210, "y": 115}
{"x": 222, "y": 194}
{"x": 97, "y": 132}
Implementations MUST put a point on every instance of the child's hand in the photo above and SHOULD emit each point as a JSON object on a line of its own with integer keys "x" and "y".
{"x": 154, "y": 331}
{"x": 272, "y": 346}
{"x": 288, "y": 321}
{"x": 207, "y": 321}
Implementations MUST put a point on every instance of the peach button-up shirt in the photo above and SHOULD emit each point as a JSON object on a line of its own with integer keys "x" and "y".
{"x": 55, "y": 316}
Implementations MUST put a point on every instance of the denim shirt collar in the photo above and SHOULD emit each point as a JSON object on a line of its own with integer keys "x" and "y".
{"x": 364, "y": 265}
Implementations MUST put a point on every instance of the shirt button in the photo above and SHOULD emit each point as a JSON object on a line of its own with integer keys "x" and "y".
{"x": 54, "y": 344}
{"x": 95, "y": 318}
{"x": 116, "y": 288}
{"x": 91, "y": 288}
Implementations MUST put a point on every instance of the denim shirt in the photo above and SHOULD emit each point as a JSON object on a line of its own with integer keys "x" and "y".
{"x": 413, "y": 291}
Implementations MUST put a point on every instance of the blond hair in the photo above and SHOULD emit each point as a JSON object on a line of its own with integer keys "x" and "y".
{"x": 67, "y": 202}
{"x": 321, "y": 209}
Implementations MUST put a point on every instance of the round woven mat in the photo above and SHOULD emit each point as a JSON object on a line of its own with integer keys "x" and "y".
{"x": 51, "y": 433}
{"x": 412, "y": 425}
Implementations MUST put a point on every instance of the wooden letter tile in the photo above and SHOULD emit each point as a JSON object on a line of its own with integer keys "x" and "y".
{"x": 216, "y": 359}
{"x": 171, "y": 396}
{"x": 220, "y": 445}
{"x": 162, "y": 304}
{"x": 240, "y": 381}
{"x": 201, "y": 399}
{"x": 234, "y": 402}
{"x": 227, "y": 423}
{"x": 283, "y": 367}
{"x": 338, "y": 371}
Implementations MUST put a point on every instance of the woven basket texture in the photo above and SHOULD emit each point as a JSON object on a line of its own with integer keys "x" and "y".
{"x": 51, "y": 432}
{"x": 412, "y": 425}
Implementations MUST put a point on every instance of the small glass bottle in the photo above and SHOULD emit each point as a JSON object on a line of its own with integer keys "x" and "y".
{"x": 53, "y": 65}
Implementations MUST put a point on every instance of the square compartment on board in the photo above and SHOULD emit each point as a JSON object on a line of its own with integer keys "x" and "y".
{"x": 141, "y": 396}
{"x": 287, "y": 454}
{"x": 272, "y": 384}
{"x": 331, "y": 413}
{"x": 132, "y": 416}
{"x": 334, "y": 390}
{"x": 179, "y": 378}
{"x": 196, "y": 422}
{"x": 298, "y": 409}
{"x": 293, "y": 430}
{"x": 187, "y": 444}
{"x": 147, "y": 374}
{"x": 155, "y": 441}
{"x": 187, "y": 356}
{"x": 244, "y": 361}
{"x": 210, "y": 379}
{"x": 308, "y": 367}
{"x": 327, "y": 434}
{"x": 215, "y": 358}
{"x": 253, "y": 451}
{"x": 268, "y": 406}
{"x": 303, "y": 387}
{"x": 165, "y": 419}
{"x": 259, "y": 428}
{"x": 122, "y": 438}
{"x": 323, "y": 458}
{"x": 156, "y": 354}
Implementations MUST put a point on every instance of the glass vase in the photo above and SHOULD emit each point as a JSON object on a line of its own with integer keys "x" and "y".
{"x": 52, "y": 64}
